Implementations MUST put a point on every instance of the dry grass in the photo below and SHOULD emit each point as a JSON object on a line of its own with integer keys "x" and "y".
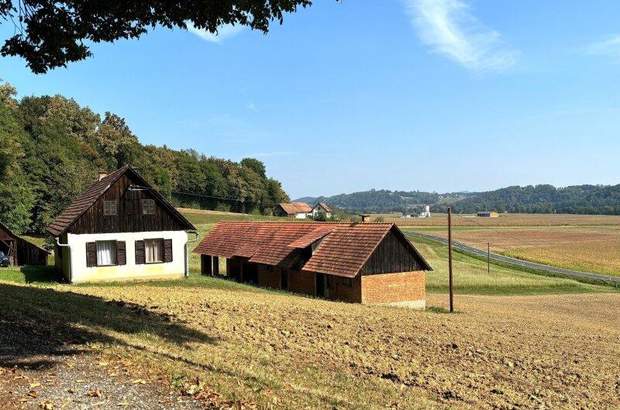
{"x": 511, "y": 220}
{"x": 585, "y": 248}
{"x": 284, "y": 351}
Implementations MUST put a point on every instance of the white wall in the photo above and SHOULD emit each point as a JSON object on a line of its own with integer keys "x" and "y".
{"x": 301, "y": 216}
{"x": 130, "y": 271}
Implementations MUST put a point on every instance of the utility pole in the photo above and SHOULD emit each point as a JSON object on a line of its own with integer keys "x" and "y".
{"x": 450, "y": 259}
{"x": 488, "y": 257}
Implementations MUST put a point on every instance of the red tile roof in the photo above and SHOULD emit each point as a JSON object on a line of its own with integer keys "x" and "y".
{"x": 293, "y": 208}
{"x": 87, "y": 198}
{"x": 343, "y": 248}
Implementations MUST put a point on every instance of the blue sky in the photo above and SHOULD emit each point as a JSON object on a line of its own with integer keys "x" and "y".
{"x": 438, "y": 95}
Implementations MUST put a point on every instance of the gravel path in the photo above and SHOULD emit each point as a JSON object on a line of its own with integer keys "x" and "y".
{"x": 589, "y": 277}
{"x": 83, "y": 381}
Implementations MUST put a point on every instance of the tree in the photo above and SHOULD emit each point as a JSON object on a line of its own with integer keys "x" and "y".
{"x": 255, "y": 165}
{"x": 52, "y": 33}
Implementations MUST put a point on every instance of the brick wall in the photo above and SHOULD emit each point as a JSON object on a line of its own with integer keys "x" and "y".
{"x": 301, "y": 282}
{"x": 394, "y": 287}
{"x": 268, "y": 276}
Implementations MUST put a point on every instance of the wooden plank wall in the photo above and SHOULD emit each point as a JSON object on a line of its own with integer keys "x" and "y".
{"x": 129, "y": 216}
{"x": 392, "y": 255}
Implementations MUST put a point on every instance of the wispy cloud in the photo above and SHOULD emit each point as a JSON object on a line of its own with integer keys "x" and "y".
{"x": 223, "y": 32}
{"x": 609, "y": 47}
{"x": 252, "y": 107}
{"x": 449, "y": 28}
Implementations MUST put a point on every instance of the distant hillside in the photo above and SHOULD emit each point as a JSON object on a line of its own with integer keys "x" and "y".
{"x": 579, "y": 199}
{"x": 380, "y": 201}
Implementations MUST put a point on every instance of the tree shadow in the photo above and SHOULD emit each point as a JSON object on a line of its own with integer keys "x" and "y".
{"x": 38, "y": 326}
{"x": 41, "y": 274}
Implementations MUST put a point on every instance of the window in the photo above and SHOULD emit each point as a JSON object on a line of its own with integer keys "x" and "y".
{"x": 153, "y": 250}
{"x": 110, "y": 208}
{"x": 106, "y": 253}
{"x": 148, "y": 207}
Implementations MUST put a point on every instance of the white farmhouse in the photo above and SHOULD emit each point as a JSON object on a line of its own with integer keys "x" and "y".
{"x": 120, "y": 228}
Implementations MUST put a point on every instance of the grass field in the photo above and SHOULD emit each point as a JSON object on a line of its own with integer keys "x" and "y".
{"x": 237, "y": 345}
{"x": 582, "y": 248}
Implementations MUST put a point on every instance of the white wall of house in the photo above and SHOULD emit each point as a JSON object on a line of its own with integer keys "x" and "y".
{"x": 301, "y": 215}
{"x": 80, "y": 272}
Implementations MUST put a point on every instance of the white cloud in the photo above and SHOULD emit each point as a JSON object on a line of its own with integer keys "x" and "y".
{"x": 223, "y": 32}
{"x": 449, "y": 28}
{"x": 252, "y": 107}
{"x": 610, "y": 47}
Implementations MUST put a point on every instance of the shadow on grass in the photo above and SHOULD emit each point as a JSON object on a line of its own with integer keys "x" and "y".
{"x": 39, "y": 326}
{"x": 41, "y": 274}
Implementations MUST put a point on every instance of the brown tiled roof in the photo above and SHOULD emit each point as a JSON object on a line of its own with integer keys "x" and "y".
{"x": 87, "y": 198}
{"x": 293, "y": 208}
{"x": 343, "y": 250}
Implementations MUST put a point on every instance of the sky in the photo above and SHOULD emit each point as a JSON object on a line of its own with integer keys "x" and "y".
{"x": 431, "y": 95}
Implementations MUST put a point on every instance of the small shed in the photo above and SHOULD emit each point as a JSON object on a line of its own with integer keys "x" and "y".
{"x": 20, "y": 251}
{"x": 360, "y": 263}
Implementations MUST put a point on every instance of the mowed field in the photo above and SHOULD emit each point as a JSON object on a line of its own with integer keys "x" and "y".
{"x": 578, "y": 242}
{"x": 516, "y": 340}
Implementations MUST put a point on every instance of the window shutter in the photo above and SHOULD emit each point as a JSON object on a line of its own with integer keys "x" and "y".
{"x": 121, "y": 253}
{"x": 140, "y": 260}
{"x": 167, "y": 250}
{"x": 91, "y": 254}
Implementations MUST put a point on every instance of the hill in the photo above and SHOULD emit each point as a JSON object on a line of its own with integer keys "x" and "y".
{"x": 578, "y": 199}
{"x": 51, "y": 149}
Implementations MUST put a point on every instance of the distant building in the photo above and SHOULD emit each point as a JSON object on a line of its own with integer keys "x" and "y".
{"x": 354, "y": 262}
{"x": 487, "y": 214}
{"x": 321, "y": 207}
{"x": 297, "y": 210}
{"x": 426, "y": 213}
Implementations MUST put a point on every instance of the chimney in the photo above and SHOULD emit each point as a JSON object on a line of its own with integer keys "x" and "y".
{"x": 365, "y": 218}
{"x": 101, "y": 175}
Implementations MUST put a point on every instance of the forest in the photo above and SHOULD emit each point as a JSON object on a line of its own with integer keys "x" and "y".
{"x": 578, "y": 199}
{"x": 51, "y": 149}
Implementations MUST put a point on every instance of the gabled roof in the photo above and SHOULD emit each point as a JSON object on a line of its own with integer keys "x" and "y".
{"x": 323, "y": 205}
{"x": 7, "y": 234}
{"x": 293, "y": 208}
{"x": 88, "y": 198}
{"x": 342, "y": 251}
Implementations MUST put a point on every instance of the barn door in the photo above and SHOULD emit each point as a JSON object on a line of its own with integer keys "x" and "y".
{"x": 321, "y": 285}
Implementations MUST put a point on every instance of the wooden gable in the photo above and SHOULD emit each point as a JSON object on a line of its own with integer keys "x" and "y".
{"x": 126, "y": 195}
{"x": 394, "y": 254}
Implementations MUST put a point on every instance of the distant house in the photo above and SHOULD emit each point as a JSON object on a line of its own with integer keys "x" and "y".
{"x": 20, "y": 251}
{"x": 321, "y": 207}
{"x": 120, "y": 228}
{"x": 361, "y": 263}
{"x": 297, "y": 210}
{"x": 487, "y": 214}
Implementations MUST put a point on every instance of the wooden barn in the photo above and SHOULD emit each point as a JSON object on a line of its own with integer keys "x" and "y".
{"x": 20, "y": 251}
{"x": 297, "y": 210}
{"x": 120, "y": 228}
{"x": 360, "y": 263}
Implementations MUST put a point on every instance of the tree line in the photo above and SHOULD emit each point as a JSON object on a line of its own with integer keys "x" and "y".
{"x": 51, "y": 149}
{"x": 578, "y": 199}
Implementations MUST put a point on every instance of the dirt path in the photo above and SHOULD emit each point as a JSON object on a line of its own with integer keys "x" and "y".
{"x": 85, "y": 381}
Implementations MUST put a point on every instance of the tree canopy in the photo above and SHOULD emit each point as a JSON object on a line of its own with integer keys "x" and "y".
{"x": 52, "y": 33}
{"x": 51, "y": 149}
